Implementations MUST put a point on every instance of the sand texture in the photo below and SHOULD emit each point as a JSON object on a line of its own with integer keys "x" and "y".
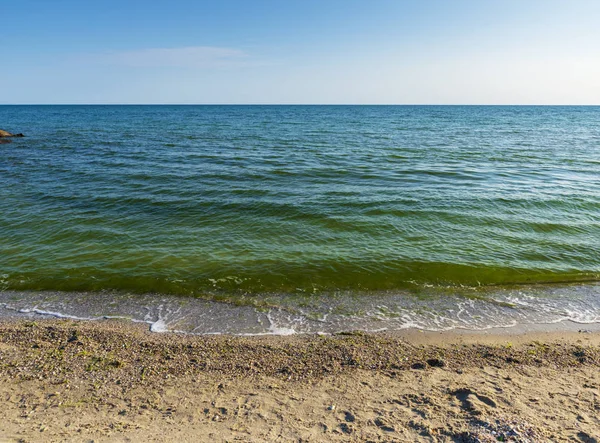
{"x": 111, "y": 381}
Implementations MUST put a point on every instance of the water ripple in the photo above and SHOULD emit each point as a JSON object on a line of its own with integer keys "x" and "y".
{"x": 214, "y": 200}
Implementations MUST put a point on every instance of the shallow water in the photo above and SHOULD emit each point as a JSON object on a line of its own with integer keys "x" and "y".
{"x": 434, "y": 310}
{"x": 261, "y": 205}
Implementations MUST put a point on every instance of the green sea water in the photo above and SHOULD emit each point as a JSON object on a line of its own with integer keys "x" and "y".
{"x": 223, "y": 201}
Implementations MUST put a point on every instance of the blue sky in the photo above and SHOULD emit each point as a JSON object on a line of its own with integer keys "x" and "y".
{"x": 301, "y": 51}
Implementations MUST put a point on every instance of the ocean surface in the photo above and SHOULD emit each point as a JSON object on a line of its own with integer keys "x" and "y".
{"x": 282, "y": 219}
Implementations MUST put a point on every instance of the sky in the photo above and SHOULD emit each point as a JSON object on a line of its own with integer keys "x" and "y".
{"x": 300, "y": 51}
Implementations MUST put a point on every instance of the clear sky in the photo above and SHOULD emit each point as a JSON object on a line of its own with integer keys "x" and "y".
{"x": 300, "y": 51}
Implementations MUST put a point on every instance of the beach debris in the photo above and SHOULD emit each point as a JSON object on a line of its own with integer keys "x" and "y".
{"x": 8, "y": 134}
{"x": 331, "y": 408}
{"x": 436, "y": 363}
{"x": 503, "y": 429}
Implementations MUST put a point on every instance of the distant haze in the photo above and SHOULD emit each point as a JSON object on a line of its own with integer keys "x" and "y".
{"x": 301, "y": 51}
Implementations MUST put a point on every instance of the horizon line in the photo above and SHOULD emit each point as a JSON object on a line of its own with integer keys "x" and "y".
{"x": 289, "y": 104}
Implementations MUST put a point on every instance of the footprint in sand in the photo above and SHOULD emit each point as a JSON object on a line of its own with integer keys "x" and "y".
{"x": 473, "y": 402}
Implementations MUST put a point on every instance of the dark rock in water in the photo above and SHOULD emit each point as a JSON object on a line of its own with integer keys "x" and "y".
{"x": 2, "y": 141}
{"x": 8, "y": 134}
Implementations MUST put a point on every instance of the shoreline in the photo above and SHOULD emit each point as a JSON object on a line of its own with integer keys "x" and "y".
{"x": 503, "y": 309}
{"x": 522, "y": 332}
{"x": 112, "y": 380}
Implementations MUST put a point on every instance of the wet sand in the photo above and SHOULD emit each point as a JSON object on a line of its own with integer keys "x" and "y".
{"x": 115, "y": 381}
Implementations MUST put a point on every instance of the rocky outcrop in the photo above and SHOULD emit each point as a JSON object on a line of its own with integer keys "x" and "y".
{"x": 8, "y": 134}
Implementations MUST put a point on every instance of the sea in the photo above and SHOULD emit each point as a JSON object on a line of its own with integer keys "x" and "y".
{"x": 253, "y": 220}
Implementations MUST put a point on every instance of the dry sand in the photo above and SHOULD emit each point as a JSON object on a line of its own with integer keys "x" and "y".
{"x": 113, "y": 381}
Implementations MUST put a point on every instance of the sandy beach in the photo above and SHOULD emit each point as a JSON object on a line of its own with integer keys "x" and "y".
{"x": 115, "y": 381}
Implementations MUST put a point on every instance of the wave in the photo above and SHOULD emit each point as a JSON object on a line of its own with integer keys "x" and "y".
{"x": 435, "y": 309}
{"x": 269, "y": 276}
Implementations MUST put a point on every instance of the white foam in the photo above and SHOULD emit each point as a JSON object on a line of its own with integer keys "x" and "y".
{"x": 385, "y": 312}
{"x": 54, "y": 314}
{"x": 159, "y": 326}
{"x": 281, "y": 331}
